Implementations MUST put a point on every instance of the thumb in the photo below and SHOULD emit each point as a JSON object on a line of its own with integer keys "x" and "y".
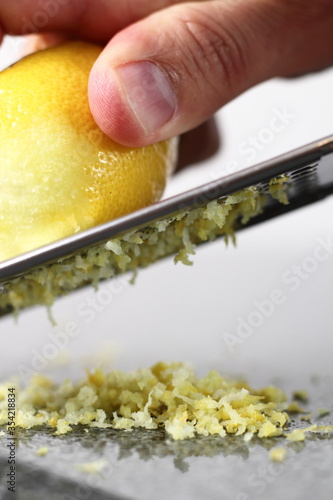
{"x": 171, "y": 71}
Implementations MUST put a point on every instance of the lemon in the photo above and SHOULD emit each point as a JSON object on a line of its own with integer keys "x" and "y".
{"x": 59, "y": 172}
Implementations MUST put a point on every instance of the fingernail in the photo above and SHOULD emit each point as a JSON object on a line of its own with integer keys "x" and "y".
{"x": 148, "y": 92}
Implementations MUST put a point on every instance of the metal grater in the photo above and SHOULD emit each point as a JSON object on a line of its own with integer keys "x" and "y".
{"x": 310, "y": 170}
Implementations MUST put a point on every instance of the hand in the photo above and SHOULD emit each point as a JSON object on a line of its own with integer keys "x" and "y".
{"x": 169, "y": 66}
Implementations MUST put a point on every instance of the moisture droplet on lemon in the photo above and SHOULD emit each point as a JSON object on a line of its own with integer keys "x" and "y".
{"x": 59, "y": 172}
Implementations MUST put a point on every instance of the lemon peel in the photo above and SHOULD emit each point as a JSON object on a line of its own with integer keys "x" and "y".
{"x": 60, "y": 173}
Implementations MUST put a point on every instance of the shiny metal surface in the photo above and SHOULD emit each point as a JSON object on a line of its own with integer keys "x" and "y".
{"x": 316, "y": 156}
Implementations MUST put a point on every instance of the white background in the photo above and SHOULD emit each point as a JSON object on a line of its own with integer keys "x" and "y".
{"x": 174, "y": 312}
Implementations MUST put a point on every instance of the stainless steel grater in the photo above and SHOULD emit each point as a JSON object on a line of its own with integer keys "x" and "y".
{"x": 309, "y": 168}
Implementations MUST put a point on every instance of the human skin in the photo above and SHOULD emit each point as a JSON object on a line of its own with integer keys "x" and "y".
{"x": 168, "y": 66}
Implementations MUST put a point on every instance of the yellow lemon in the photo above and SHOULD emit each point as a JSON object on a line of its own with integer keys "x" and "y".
{"x": 59, "y": 172}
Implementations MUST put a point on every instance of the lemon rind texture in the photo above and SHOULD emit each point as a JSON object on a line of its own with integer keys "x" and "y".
{"x": 60, "y": 174}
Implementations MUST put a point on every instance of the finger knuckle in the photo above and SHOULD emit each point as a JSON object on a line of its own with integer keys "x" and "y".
{"x": 215, "y": 52}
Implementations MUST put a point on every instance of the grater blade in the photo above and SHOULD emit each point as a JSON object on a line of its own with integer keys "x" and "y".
{"x": 310, "y": 169}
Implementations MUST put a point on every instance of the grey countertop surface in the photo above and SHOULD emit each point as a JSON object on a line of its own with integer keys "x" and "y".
{"x": 144, "y": 465}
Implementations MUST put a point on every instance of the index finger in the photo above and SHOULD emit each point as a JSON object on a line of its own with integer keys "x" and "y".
{"x": 96, "y": 20}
